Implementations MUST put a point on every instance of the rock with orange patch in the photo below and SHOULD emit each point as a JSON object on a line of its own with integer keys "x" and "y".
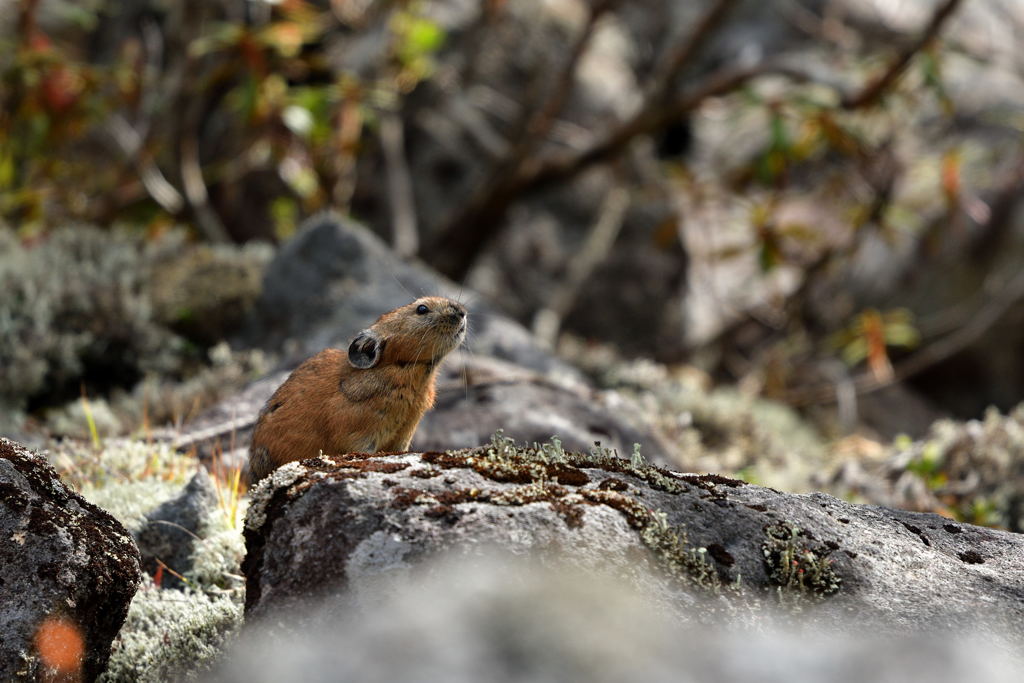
{"x": 68, "y": 571}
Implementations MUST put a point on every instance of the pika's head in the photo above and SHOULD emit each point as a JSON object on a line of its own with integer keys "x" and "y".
{"x": 420, "y": 333}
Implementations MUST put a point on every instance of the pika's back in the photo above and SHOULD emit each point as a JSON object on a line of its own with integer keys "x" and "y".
{"x": 368, "y": 400}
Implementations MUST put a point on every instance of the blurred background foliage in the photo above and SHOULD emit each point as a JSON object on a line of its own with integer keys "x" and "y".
{"x": 813, "y": 200}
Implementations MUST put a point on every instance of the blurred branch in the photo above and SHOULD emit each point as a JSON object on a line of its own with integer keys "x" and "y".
{"x": 195, "y": 191}
{"x": 190, "y": 168}
{"x": 482, "y": 217}
{"x": 1005, "y": 297}
{"x": 671, "y": 67}
{"x": 475, "y": 37}
{"x": 874, "y": 90}
{"x": 405, "y": 234}
{"x": 651, "y": 118}
{"x": 130, "y": 143}
{"x": 582, "y": 263}
{"x": 27, "y": 21}
{"x": 540, "y": 123}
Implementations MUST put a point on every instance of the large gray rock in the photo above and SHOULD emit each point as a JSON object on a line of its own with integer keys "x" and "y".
{"x": 63, "y": 562}
{"x": 335, "y": 278}
{"x": 329, "y": 526}
{"x": 477, "y": 396}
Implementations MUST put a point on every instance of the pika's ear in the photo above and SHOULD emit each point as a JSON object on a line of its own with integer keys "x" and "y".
{"x": 365, "y": 350}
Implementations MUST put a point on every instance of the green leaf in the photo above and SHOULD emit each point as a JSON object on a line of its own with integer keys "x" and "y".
{"x": 423, "y": 36}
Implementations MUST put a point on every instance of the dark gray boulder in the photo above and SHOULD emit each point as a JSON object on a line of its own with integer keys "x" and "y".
{"x": 477, "y": 396}
{"x": 690, "y": 540}
{"x": 335, "y": 277}
{"x": 170, "y": 531}
{"x": 67, "y": 568}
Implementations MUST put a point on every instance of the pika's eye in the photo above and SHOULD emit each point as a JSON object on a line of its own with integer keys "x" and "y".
{"x": 422, "y": 309}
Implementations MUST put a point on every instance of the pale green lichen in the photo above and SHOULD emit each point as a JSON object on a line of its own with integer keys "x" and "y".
{"x": 216, "y": 561}
{"x": 169, "y": 634}
{"x": 677, "y": 556}
{"x": 126, "y": 478}
{"x": 95, "y": 317}
{"x": 794, "y": 566}
{"x": 124, "y": 308}
{"x": 503, "y": 460}
{"x": 172, "y": 635}
{"x": 972, "y": 471}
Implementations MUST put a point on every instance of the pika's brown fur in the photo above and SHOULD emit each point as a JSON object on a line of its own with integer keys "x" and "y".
{"x": 367, "y": 400}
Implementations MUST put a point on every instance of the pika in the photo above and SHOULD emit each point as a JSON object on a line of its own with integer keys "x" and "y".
{"x": 367, "y": 400}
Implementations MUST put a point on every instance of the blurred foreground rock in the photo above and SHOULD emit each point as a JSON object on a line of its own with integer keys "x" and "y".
{"x": 335, "y": 278}
{"x": 505, "y": 619}
{"x": 701, "y": 546}
{"x": 68, "y": 571}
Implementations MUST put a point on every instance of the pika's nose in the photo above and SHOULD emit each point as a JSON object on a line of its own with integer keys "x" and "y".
{"x": 457, "y": 313}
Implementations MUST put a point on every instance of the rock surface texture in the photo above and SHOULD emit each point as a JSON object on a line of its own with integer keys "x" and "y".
{"x": 338, "y": 525}
{"x": 68, "y": 571}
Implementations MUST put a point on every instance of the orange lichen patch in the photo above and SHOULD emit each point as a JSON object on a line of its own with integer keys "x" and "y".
{"x": 60, "y": 645}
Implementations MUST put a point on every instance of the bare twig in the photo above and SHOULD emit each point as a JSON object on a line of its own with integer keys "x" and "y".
{"x": 405, "y": 234}
{"x": 649, "y": 119}
{"x": 540, "y": 123}
{"x": 207, "y": 220}
{"x": 27, "y": 21}
{"x": 481, "y": 217}
{"x": 476, "y": 36}
{"x": 130, "y": 143}
{"x": 595, "y": 248}
{"x": 876, "y": 88}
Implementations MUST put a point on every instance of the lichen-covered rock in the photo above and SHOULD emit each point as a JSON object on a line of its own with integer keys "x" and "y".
{"x": 333, "y": 525}
{"x": 169, "y": 633}
{"x": 67, "y": 572}
{"x": 206, "y": 292}
{"x": 706, "y": 428}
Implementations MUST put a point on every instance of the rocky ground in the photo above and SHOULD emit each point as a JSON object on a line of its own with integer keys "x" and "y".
{"x": 662, "y": 454}
{"x": 715, "y": 552}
